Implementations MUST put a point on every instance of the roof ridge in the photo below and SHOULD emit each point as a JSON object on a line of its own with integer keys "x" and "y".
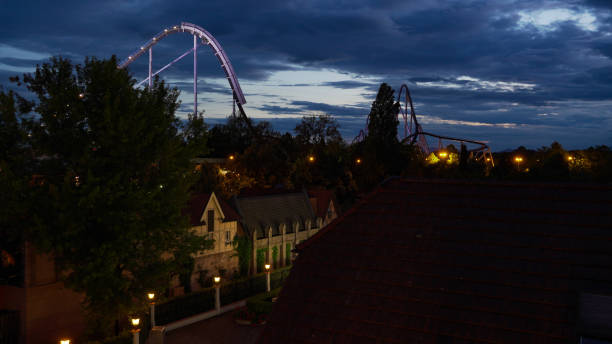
{"x": 504, "y": 183}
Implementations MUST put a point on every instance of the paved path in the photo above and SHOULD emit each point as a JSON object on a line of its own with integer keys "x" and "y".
{"x": 217, "y": 330}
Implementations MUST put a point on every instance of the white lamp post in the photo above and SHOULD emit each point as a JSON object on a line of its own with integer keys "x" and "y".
{"x": 267, "y": 266}
{"x": 135, "y": 331}
{"x": 151, "y": 297}
{"x": 217, "y": 280}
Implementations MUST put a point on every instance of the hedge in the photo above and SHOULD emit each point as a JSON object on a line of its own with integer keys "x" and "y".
{"x": 204, "y": 300}
{"x": 261, "y": 303}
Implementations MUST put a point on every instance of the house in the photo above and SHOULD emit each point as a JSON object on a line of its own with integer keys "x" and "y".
{"x": 324, "y": 205}
{"x": 38, "y": 308}
{"x": 439, "y": 261}
{"x": 213, "y": 218}
{"x": 275, "y": 223}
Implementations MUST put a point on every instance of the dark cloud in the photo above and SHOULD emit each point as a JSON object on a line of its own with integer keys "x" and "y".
{"x": 397, "y": 42}
{"x": 347, "y": 84}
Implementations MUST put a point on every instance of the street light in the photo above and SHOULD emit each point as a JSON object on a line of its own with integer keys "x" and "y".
{"x": 151, "y": 297}
{"x": 64, "y": 341}
{"x": 135, "y": 330}
{"x": 443, "y": 154}
{"x": 267, "y": 267}
{"x": 311, "y": 158}
{"x": 358, "y": 161}
{"x": 217, "y": 280}
{"x": 518, "y": 160}
{"x": 231, "y": 157}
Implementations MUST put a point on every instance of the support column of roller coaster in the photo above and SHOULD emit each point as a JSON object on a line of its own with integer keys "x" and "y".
{"x": 200, "y": 36}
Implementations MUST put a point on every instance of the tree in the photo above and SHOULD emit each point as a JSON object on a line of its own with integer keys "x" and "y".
{"x": 115, "y": 161}
{"x": 380, "y": 149}
{"x": 15, "y": 159}
{"x": 317, "y": 130}
{"x": 382, "y": 120}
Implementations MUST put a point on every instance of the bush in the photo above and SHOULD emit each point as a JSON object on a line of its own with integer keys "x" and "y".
{"x": 262, "y": 303}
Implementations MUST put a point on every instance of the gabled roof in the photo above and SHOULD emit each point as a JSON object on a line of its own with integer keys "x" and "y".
{"x": 197, "y": 204}
{"x": 323, "y": 199}
{"x": 271, "y": 210}
{"x": 433, "y": 261}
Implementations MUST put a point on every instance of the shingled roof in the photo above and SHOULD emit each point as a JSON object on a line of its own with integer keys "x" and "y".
{"x": 422, "y": 261}
{"x": 271, "y": 210}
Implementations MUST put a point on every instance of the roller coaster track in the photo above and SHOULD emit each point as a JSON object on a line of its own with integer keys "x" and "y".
{"x": 413, "y": 133}
{"x": 200, "y": 36}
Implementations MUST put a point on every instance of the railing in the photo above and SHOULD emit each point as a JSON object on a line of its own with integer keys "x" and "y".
{"x": 204, "y": 300}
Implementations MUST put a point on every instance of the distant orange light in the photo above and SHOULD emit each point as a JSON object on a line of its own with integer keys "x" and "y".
{"x": 442, "y": 154}
{"x": 358, "y": 161}
{"x": 518, "y": 159}
{"x": 231, "y": 157}
{"x": 311, "y": 158}
{"x": 570, "y": 158}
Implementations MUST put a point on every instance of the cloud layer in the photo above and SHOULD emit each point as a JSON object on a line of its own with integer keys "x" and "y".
{"x": 512, "y": 72}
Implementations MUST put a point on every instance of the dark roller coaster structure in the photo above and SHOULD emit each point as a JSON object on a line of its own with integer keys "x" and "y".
{"x": 415, "y": 135}
{"x": 200, "y": 37}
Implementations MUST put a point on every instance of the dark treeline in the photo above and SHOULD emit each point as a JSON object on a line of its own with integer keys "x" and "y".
{"x": 315, "y": 156}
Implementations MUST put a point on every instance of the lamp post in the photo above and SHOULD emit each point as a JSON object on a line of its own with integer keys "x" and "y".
{"x": 267, "y": 267}
{"x": 151, "y": 297}
{"x": 217, "y": 280}
{"x": 135, "y": 331}
{"x": 518, "y": 161}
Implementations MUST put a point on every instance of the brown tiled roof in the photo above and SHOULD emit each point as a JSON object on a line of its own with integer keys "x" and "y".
{"x": 198, "y": 202}
{"x": 323, "y": 198}
{"x": 422, "y": 261}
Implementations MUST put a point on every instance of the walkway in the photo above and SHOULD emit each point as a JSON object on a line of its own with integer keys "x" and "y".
{"x": 217, "y": 330}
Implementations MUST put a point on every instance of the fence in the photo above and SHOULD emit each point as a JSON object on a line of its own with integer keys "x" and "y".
{"x": 204, "y": 300}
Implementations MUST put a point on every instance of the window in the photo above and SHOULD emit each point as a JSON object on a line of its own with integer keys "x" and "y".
{"x": 227, "y": 238}
{"x": 211, "y": 221}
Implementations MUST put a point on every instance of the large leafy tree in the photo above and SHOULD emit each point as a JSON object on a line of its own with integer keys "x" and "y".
{"x": 381, "y": 149}
{"x": 15, "y": 161}
{"x": 382, "y": 120}
{"x": 115, "y": 167}
{"x": 317, "y": 130}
